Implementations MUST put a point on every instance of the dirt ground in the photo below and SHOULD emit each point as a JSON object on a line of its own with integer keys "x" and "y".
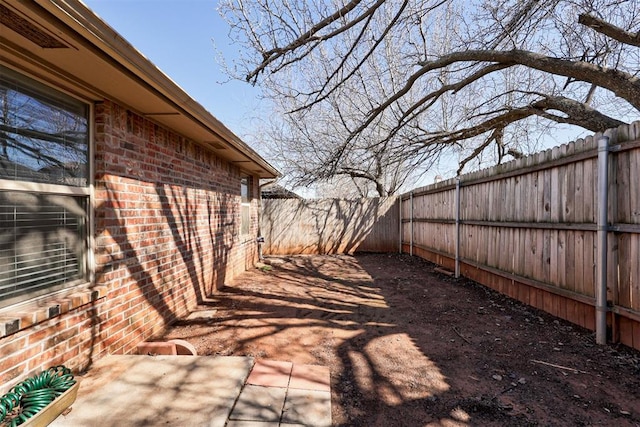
{"x": 409, "y": 346}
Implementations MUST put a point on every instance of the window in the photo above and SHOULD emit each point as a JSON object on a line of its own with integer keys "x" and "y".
{"x": 245, "y": 207}
{"x": 44, "y": 188}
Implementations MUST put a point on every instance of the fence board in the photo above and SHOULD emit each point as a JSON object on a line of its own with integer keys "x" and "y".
{"x": 578, "y": 194}
{"x": 578, "y": 272}
{"x": 590, "y": 193}
{"x": 554, "y": 194}
{"x": 624, "y": 186}
{"x": 634, "y": 188}
{"x": 624, "y": 284}
{"x": 562, "y": 259}
{"x": 569, "y": 273}
{"x": 292, "y": 226}
{"x": 589, "y": 266}
{"x": 634, "y": 272}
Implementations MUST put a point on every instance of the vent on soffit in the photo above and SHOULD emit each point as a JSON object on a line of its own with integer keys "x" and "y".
{"x": 25, "y": 28}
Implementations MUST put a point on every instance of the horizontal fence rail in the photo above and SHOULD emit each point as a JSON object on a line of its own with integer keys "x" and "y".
{"x": 528, "y": 228}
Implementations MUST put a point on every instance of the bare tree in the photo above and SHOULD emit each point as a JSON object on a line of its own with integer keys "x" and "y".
{"x": 403, "y": 81}
{"x": 308, "y": 138}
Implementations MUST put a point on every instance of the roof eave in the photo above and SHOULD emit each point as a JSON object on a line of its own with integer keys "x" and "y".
{"x": 85, "y": 22}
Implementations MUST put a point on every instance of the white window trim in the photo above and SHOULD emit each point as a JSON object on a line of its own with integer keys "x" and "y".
{"x": 44, "y": 188}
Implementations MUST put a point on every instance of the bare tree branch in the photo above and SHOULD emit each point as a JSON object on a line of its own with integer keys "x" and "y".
{"x": 576, "y": 113}
{"x": 623, "y": 84}
{"x": 479, "y": 149}
{"x": 355, "y": 69}
{"x": 274, "y": 54}
{"x": 610, "y": 30}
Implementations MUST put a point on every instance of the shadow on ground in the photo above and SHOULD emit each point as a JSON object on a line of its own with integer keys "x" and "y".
{"x": 408, "y": 346}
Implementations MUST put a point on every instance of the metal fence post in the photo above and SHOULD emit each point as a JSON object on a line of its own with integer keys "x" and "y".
{"x": 400, "y": 216}
{"x": 601, "y": 278}
{"x": 457, "y": 208}
{"x": 411, "y": 225}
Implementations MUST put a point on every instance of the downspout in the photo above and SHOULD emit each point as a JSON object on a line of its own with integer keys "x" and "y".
{"x": 457, "y": 268}
{"x": 602, "y": 226}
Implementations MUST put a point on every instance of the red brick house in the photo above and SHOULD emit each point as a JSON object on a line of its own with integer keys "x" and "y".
{"x": 123, "y": 202}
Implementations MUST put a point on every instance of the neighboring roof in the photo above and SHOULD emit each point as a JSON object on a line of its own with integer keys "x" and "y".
{"x": 276, "y": 191}
{"x": 64, "y": 43}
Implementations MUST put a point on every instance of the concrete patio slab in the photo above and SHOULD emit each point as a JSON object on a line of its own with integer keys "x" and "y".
{"x": 158, "y": 391}
{"x": 257, "y": 403}
{"x": 308, "y": 408}
{"x": 200, "y": 391}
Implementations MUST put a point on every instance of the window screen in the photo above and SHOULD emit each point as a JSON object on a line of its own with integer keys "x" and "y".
{"x": 42, "y": 242}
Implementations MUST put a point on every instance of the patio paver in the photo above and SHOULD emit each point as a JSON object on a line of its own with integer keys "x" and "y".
{"x": 270, "y": 373}
{"x": 310, "y": 377}
{"x": 306, "y": 395}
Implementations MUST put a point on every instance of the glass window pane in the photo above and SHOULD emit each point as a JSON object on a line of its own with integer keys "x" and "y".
{"x": 245, "y": 208}
{"x": 43, "y": 134}
{"x": 246, "y": 218}
{"x": 244, "y": 189}
{"x": 42, "y": 242}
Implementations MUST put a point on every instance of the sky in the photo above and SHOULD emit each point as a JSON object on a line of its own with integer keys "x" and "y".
{"x": 183, "y": 39}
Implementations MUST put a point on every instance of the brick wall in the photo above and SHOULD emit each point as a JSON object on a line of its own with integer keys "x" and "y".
{"x": 167, "y": 234}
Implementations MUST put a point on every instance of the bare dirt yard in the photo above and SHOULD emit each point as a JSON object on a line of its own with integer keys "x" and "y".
{"x": 409, "y": 346}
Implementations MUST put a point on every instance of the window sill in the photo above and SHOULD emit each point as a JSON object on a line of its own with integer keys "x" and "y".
{"x": 23, "y": 317}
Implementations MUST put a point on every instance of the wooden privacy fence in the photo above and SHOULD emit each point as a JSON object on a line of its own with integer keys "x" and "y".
{"x": 293, "y": 226}
{"x": 529, "y": 229}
